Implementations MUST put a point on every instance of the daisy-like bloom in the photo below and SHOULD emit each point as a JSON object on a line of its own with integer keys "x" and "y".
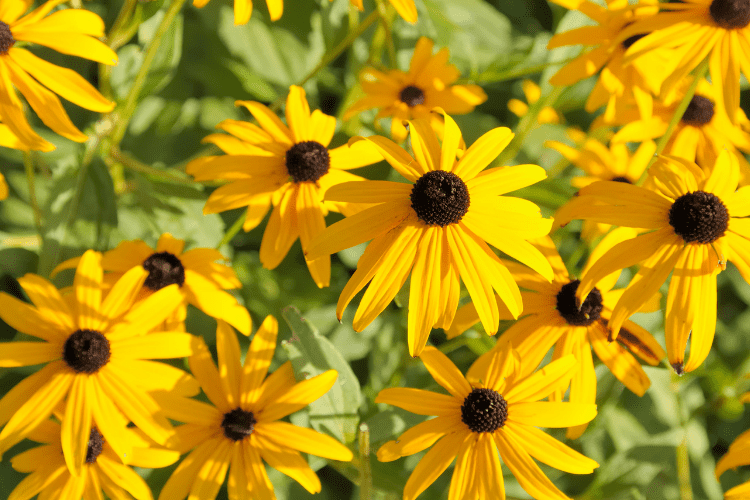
{"x": 405, "y": 8}
{"x": 240, "y": 429}
{"x": 96, "y": 350}
{"x": 499, "y": 413}
{"x": 554, "y": 319}
{"x": 532, "y": 92}
{"x": 695, "y": 223}
{"x": 701, "y": 134}
{"x": 289, "y": 166}
{"x": 413, "y": 94}
{"x": 69, "y": 31}
{"x": 694, "y": 30}
{"x": 102, "y": 471}
{"x": 201, "y": 280}
{"x": 602, "y": 163}
{"x": 243, "y": 9}
{"x": 437, "y": 227}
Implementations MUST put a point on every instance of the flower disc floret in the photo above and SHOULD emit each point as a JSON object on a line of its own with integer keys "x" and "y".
{"x": 307, "y": 161}
{"x": 730, "y": 14}
{"x": 699, "y": 217}
{"x": 699, "y": 112}
{"x": 440, "y": 198}
{"x": 95, "y": 446}
{"x": 6, "y": 38}
{"x": 484, "y": 410}
{"x": 590, "y": 310}
{"x": 412, "y": 96}
{"x": 164, "y": 269}
{"x": 86, "y": 351}
{"x": 238, "y": 424}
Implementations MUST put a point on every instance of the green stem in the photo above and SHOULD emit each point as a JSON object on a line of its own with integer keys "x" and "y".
{"x": 683, "y": 459}
{"x": 28, "y": 163}
{"x": 385, "y": 22}
{"x": 232, "y": 231}
{"x": 699, "y": 75}
{"x": 365, "y": 469}
{"x": 127, "y": 110}
{"x": 138, "y": 166}
{"x": 511, "y": 74}
{"x": 330, "y": 56}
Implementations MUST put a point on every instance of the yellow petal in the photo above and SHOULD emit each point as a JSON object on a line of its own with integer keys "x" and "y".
{"x": 304, "y": 440}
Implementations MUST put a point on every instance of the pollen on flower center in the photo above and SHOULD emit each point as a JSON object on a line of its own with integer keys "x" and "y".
{"x": 626, "y": 44}
{"x": 440, "y": 198}
{"x": 412, "y": 96}
{"x": 590, "y": 310}
{"x": 730, "y": 14}
{"x": 164, "y": 269}
{"x": 699, "y": 112}
{"x": 238, "y": 424}
{"x": 307, "y": 161}
{"x": 95, "y": 446}
{"x": 699, "y": 217}
{"x": 484, "y": 410}
{"x": 86, "y": 351}
{"x": 6, "y": 38}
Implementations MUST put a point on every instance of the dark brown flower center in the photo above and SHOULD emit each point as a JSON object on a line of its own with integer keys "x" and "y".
{"x": 6, "y": 38}
{"x": 699, "y": 217}
{"x": 730, "y": 14}
{"x": 631, "y": 40}
{"x": 440, "y": 198}
{"x": 699, "y": 112}
{"x": 238, "y": 424}
{"x": 412, "y": 96}
{"x": 86, "y": 351}
{"x": 164, "y": 269}
{"x": 590, "y": 310}
{"x": 307, "y": 161}
{"x": 95, "y": 446}
{"x": 484, "y": 410}
{"x": 622, "y": 179}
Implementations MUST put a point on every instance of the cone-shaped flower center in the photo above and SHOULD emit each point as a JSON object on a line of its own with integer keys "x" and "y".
{"x": 86, "y": 351}
{"x": 440, "y": 198}
{"x": 164, "y": 269}
{"x": 631, "y": 40}
{"x": 699, "y": 111}
{"x": 6, "y": 38}
{"x": 730, "y": 14}
{"x": 699, "y": 217}
{"x": 307, "y": 161}
{"x": 620, "y": 178}
{"x": 484, "y": 410}
{"x": 590, "y": 310}
{"x": 238, "y": 424}
{"x": 94, "y": 448}
{"x": 411, "y": 96}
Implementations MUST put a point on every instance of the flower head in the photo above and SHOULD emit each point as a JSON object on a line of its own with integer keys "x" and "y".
{"x": 413, "y": 94}
{"x": 437, "y": 227}
{"x": 240, "y": 429}
{"x": 498, "y": 414}
{"x": 289, "y": 166}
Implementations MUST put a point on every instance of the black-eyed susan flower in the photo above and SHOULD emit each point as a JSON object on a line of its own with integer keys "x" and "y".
{"x": 532, "y": 92}
{"x": 241, "y": 428}
{"x": 289, "y": 166}
{"x": 404, "y": 95}
{"x": 694, "y": 30}
{"x": 694, "y": 224}
{"x": 602, "y": 163}
{"x": 554, "y": 319}
{"x": 243, "y": 9}
{"x": 481, "y": 422}
{"x": 96, "y": 350}
{"x": 436, "y": 227}
{"x": 201, "y": 280}
{"x": 69, "y": 31}
{"x": 103, "y": 470}
{"x": 405, "y": 8}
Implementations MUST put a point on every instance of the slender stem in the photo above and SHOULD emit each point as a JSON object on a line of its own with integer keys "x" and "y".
{"x": 330, "y": 56}
{"x": 699, "y": 75}
{"x": 683, "y": 459}
{"x": 138, "y": 166}
{"x": 365, "y": 469}
{"x": 511, "y": 74}
{"x": 28, "y": 163}
{"x": 127, "y": 110}
{"x": 385, "y": 22}
{"x": 232, "y": 231}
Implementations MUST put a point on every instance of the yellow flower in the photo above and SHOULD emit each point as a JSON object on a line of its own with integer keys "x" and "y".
{"x": 96, "y": 351}
{"x": 601, "y": 163}
{"x": 200, "y": 279}
{"x": 554, "y": 319}
{"x": 240, "y": 429}
{"x": 405, "y": 8}
{"x": 103, "y": 470}
{"x": 695, "y": 224}
{"x": 498, "y": 414}
{"x": 243, "y": 9}
{"x": 69, "y": 31}
{"x": 532, "y": 92}
{"x": 437, "y": 227}
{"x": 737, "y": 455}
{"x": 428, "y": 84}
{"x": 289, "y": 166}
